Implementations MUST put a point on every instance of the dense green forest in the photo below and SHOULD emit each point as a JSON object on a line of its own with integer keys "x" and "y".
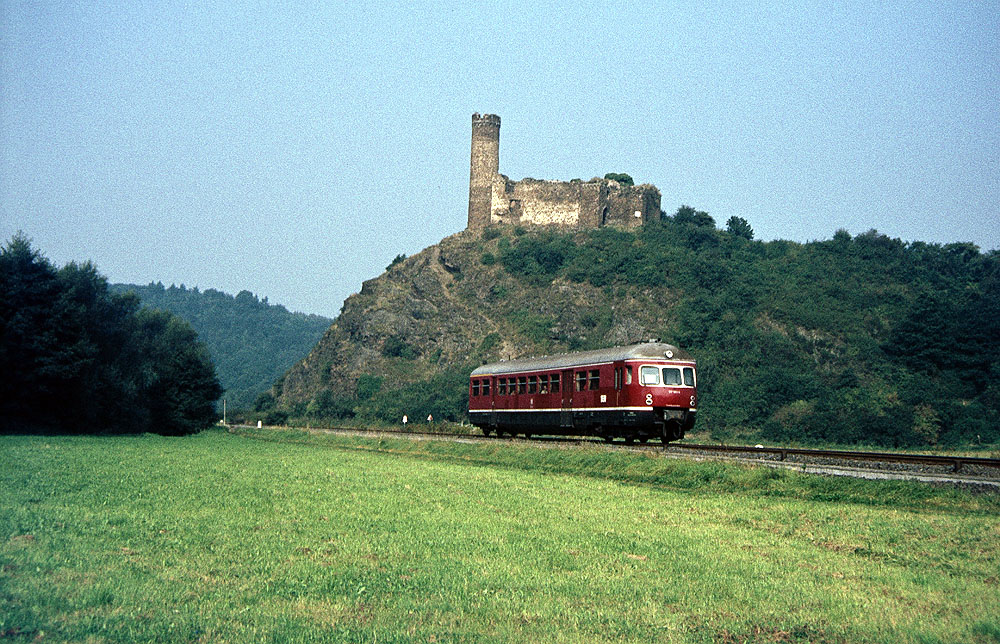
{"x": 251, "y": 341}
{"x": 862, "y": 339}
{"x": 75, "y": 357}
{"x": 852, "y": 339}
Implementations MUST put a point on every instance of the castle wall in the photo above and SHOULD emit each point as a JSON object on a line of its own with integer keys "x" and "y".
{"x": 493, "y": 198}
{"x": 536, "y": 202}
{"x": 634, "y": 206}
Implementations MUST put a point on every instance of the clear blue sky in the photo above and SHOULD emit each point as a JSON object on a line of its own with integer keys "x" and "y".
{"x": 294, "y": 150}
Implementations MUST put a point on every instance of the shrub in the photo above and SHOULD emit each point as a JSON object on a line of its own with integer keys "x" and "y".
{"x": 397, "y": 347}
{"x": 368, "y": 386}
{"x": 324, "y": 405}
{"x": 396, "y": 260}
{"x": 620, "y": 177}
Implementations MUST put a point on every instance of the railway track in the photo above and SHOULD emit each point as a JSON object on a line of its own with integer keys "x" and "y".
{"x": 929, "y": 467}
{"x": 956, "y": 463}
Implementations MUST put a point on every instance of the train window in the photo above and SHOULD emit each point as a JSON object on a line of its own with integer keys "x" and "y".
{"x": 581, "y": 380}
{"x": 543, "y": 383}
{"x": 649, "y": 375}
{"x": 486, "y": 387}
{"x": 475, "y": 387}
{"x": 532, "y": 384}
{"x": 628, "y": 375}
{"x": 520, "y": 384}
{"x": 689, "y": 376}
{"x": 501, "y": 386}
{"x": 595, "y": 379}
{"x": 671, "y": 376}
{"x": 555, "y": 383}
{"x": 618, "y": 377}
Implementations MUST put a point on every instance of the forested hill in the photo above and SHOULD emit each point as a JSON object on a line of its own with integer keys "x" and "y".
{"x": 852, "y": 339}
{"x": 252, "y": 342}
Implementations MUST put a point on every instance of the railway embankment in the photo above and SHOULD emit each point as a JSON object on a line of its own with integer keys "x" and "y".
{"x": 673, "y": 467}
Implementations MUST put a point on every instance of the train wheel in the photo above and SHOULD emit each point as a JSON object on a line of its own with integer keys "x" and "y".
{"x": 672, "y": 431}
{"x": 527, "y": 436}
{"x": 486, "y": 431}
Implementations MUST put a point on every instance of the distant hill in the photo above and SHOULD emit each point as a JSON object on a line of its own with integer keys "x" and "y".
{"x": 853, "y": 339}
{"x": 252, "y": 342}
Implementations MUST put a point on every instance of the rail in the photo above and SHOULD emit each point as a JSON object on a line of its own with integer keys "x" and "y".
{"x": 956, "y": 462}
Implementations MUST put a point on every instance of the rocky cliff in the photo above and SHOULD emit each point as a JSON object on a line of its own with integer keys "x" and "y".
{"x": 453, "y": 305}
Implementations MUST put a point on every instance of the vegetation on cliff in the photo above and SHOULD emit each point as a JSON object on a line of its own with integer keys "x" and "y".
{"x": 853, "y": 339}
{"x": 251, "y": 341}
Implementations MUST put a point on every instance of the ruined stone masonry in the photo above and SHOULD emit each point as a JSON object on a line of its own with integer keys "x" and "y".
{"x": 494, "y": 199}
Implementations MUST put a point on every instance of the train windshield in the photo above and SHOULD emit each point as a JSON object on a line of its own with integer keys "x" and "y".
{"x": 668, "y": 376}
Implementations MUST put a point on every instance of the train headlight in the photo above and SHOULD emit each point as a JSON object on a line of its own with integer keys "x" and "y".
{"x": 669, "y": 354}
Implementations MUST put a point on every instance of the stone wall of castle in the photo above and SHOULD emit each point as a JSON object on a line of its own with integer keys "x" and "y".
{"x": 494, "y": 199}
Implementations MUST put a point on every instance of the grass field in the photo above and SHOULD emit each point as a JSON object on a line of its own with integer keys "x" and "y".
{"x": 286, "y": 536}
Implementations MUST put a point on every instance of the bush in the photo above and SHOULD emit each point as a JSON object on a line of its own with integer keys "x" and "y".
{"x": 396, "y": 260}
{"x": 368, "y": 386}
{"x": 397, "y": 347}
{"x": 325, "y": 406}
{"x": 276, "y": 417}
{"x": 620, "y": 177}
{"x": 264, "y": 402}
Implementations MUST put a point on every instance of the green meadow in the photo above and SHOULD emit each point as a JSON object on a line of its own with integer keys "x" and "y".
{"x": 295, "y": 537}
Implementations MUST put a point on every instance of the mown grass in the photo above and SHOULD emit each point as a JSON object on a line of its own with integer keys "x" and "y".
{"x": 222, "y": 537}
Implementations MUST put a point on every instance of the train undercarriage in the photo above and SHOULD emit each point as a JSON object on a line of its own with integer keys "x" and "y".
{"x": 655, "y": 424}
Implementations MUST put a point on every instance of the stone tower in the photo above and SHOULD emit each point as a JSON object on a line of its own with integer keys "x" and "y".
{"x": 483, "y": 169}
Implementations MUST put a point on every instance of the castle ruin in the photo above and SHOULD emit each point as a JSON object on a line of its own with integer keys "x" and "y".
{"x": 494, "y": 199}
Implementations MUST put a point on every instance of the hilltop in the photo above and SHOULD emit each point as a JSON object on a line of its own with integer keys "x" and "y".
{"x": 853, "y": 339}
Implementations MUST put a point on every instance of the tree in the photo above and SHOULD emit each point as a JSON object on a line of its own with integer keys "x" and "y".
{"x": 739, "y": 227}
{"x": 76, "y": 357}
{"x": 39, "y": 353}
{"x": 688, "y": 215}
{"x": 179, "y": 384}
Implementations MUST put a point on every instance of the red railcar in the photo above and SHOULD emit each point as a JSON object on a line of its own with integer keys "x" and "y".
{"x": 640, "y": 391}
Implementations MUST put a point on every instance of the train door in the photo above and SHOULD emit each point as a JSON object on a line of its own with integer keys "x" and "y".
{"x": 566, "y": 410}
{"x": 619, "y": 371}
{"x": 493, "y": 401}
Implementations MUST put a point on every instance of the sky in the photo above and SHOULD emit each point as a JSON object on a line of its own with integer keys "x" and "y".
{"x": 293, "y": 149}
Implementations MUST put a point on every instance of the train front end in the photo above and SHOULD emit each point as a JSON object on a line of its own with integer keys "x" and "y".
{"x": 666, "y": 388}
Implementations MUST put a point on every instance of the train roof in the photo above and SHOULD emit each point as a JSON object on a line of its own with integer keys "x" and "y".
{"x": 652, "y": 350}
